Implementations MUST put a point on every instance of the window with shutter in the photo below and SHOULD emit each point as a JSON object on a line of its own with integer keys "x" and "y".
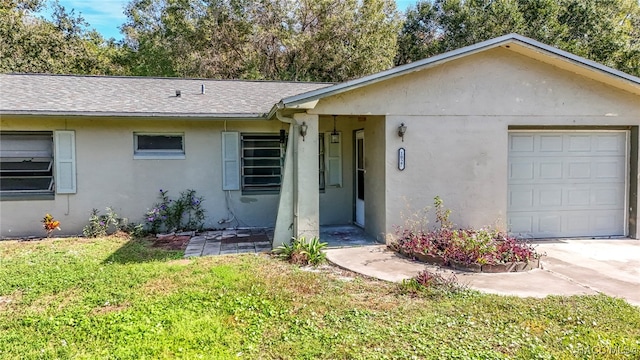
{"x": 26, "y": 164}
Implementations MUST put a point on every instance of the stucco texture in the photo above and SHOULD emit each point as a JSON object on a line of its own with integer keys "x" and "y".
{"x": 109, "y": 176}
{"x": 458, "y": 115}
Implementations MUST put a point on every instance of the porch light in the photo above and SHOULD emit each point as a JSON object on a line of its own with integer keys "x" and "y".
{"x": 303, "y": 130}
{"x": 335, "y": 137}
{"x": 402, "y": 129}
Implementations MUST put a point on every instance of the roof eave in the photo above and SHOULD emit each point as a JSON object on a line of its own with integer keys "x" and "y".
{"x": 194, "y": 116}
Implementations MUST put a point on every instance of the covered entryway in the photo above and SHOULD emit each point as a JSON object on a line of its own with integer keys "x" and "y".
{"x": 567, "y": 183}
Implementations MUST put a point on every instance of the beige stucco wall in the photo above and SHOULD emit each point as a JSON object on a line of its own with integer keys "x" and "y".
{"x": 458, "y": 115}
{"x": 107, "y": 174}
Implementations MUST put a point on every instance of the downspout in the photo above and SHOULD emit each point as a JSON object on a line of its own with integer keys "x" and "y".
{"x": 294, "y": 157}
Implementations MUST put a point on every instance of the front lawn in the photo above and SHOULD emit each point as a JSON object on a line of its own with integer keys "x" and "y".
{"x": 119, "y": 298}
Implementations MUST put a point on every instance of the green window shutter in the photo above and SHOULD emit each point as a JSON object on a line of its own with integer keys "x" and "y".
{"x": 230, "y": 160}
{"x": 334, "y": 161}
{"x": 65, "y": 161}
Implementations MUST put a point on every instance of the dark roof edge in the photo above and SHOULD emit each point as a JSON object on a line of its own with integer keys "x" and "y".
{"x": 199, "y": 116}
{"x": 450, "y": 55}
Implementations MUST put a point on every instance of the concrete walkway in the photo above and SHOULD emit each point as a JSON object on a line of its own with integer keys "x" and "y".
{"x": 571, "y": 267}
{"x": 225, "y": 242}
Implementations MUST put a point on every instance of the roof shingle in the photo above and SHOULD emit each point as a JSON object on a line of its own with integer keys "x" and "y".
{"x": 142, "y": 96}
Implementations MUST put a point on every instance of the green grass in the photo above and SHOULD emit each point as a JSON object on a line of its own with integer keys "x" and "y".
{"x": 119, "y": 298}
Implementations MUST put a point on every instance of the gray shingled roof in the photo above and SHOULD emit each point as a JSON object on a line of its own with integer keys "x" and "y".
{"x": 41, "y": 94}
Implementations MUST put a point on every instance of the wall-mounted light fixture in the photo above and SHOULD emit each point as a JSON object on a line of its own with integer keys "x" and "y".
{"x": 402, "y": 129}
{"x": 335, "y": 136}
{"x": 303, "y": 130}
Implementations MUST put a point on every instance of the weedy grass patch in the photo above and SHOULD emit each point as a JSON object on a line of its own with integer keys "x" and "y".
{"x": 121, "y": 298}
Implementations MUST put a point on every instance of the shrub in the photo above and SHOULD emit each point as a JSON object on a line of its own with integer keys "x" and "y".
{"x": 301, "y": 252}
{"x": 103, "y": 225}
{"x": 431, "y": 283}
{"x": 480, "y": 246}
{"x": 185, "y": 213}
{"x": 50, "y": 224}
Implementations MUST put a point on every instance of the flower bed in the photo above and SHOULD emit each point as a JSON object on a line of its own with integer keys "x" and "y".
{"x": 477, "y": 250}
{"x": 469, "y": 250}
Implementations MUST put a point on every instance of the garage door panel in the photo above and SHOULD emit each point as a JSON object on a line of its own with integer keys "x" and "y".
{"x": 522, "y": 143}
{"x": 612, "y": 144}
{"x": 567, "y": 224}
{"x": 546, "y": 197}
{"x": 567, "y": 184}
{"x": 551, "y": 143}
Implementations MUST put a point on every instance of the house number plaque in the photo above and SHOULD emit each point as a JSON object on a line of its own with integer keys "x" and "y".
{"x": 401, "y": 163}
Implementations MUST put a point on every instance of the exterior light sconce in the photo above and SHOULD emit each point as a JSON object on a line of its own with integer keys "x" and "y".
{"x": 303, "y": 130}
{"x": 335, "y": 136}
{"x": 402, "y": 129}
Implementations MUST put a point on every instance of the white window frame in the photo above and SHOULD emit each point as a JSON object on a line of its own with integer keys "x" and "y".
{"x": 158, "y": 154}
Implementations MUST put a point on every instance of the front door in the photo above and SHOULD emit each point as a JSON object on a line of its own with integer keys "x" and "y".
{"x": 360, "y": 171}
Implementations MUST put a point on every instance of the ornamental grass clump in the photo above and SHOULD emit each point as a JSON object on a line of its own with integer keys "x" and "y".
{"x": 303, "y": 252}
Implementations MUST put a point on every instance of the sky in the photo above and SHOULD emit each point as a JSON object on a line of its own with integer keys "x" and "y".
{"x": 107, "y": 15}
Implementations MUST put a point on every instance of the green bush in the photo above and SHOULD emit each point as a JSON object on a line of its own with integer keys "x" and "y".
{"x": 184, "y": 213}
{"x": 303, "y": 252}
{"x": 102, "y": 225}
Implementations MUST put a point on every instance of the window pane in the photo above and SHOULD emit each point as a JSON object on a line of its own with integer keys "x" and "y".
{"x": 262, "y": 180}
{"x": 26, "y": 160}
{"x": 268, "y": 143}
{"x": 262, "y": 153}
{"x": 261, "y": 162}
{"x": 25, "y": 166}
{"x": 26, "y": 183}
{"x": 263, "y": 171}
{"x": 160, "y": 142}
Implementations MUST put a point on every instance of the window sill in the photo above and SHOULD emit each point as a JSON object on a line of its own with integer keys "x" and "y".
{"x": 26, "y": 196}
{"x": 260, "y": 192}
{"x": 159, "y": 157}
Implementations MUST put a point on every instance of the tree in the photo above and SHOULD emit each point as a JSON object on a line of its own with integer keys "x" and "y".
{"x": 61, "y": 45}
{"x": 318, "y": 40}
{"x": 605, "y": 31}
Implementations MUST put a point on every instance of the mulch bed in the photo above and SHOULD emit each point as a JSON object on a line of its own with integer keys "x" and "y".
{"x": 173, "y": 242}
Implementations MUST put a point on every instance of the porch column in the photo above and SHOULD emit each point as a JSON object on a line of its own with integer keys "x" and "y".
{"x": 307, "y": 198}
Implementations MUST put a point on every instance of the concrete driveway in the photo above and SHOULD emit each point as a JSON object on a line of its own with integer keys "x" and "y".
{"x": 570, "y": 267}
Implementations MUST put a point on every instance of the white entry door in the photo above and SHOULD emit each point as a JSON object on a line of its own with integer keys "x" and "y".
{"x": 360, "y": 173}
{"x": 567, "y": 183}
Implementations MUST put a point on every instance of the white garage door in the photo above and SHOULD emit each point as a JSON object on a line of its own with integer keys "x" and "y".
{"x": 567, "y": 184}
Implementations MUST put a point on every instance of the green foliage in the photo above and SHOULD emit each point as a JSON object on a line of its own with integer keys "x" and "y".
{"x": 103, "y": 225}
{"x": 303, "y": 252}
{"x": 62, "y": 45}
{"x": 121, "y": 298}
{"x": 432, "y": 284}
{"x": 323, "y": 40}
{"x": 605, "y": 31}
{"x": 184, "y": 213}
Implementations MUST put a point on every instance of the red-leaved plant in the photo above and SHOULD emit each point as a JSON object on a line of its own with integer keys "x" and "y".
{"x": 50, "y": 224}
